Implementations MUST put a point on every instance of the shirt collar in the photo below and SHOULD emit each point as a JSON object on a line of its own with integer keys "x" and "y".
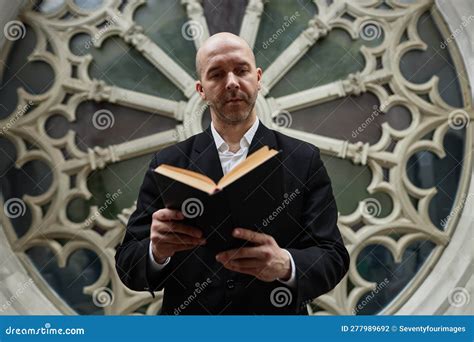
{"x": 245, "y": 142}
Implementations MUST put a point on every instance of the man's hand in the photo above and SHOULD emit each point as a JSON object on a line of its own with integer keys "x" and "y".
{"x": 266, "y": 261}
{"x": 169, "y": 236}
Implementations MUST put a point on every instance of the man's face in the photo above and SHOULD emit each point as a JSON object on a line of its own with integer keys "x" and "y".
{"x": 229, "y": 80}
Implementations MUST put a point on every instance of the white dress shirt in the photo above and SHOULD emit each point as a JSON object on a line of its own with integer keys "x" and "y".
{"x": 228, "y": 161}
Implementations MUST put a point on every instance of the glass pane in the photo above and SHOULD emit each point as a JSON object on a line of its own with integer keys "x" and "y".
{"x": 224, "y": 15}
{"x": 122, "y": 125}
{"x": 34, "y": 179}
{"x": 163, "y": 21}
{"x": 376, "y": 264}
{"x": 349, "y": 194}
{"x": 88, "y": 4}
{"x": 332, "y": 58}
{"x": 119, "y": 64}
{"x": 48, "y": 6}
{"x": 420, "y": 66}
{"x": 352, "y": 118}
{"x": 83, "y": 268}
{"x": 118, "y": 182}
{"x": 281, "y": 23}
{"x": 126, "y": 176}
{"x": 34, "y": 77}
{"x": 426, "y": 170}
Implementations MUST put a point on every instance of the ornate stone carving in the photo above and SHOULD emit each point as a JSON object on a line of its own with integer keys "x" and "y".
{"x": 427, "y": 116}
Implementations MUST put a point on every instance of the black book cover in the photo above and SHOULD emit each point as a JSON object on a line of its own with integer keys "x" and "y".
{"x": 243, "y": 203}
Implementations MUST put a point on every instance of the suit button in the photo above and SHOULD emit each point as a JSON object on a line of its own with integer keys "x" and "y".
{"x": 230, "y": 284}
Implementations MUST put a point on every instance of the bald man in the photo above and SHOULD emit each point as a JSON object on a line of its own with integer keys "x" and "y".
{"x": 295, "y": 257}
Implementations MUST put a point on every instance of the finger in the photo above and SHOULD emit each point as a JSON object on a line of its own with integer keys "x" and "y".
{"x": 181, "y": 239}
{"x": 166, "y": 214}
{"x": 250, "y": 235}
{"x": 177, "y": 227}
{"x": 247, "y": 263}
{"x": 243, "y": 252}
{"x": 175, "y": 248}
{"x": 175, "y": 239}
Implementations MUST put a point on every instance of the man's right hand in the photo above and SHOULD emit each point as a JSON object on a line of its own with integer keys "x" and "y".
{"x": 169, "y": 236}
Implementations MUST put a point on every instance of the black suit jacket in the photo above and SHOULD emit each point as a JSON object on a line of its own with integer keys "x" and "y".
{"x": 195, "y": 283}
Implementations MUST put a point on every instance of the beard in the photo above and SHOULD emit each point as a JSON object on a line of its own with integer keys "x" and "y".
{"x": 234, "y": 113}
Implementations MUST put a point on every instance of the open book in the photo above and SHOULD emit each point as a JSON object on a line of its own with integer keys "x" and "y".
{"x": 242, "y": 198}
{"x": 205, "y": 184}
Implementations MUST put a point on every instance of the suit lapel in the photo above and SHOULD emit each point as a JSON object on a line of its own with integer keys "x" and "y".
{"x": 205, "y": 158}
{"x": 263, "y": 136}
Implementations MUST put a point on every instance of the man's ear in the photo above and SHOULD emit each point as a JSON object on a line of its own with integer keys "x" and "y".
{"x": 200, "y": 90}
{"x": 259, "y": 77}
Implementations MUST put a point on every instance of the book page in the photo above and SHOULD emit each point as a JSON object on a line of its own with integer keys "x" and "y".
{"x": 253, "y": 161}
{"x": 188, "y": 177}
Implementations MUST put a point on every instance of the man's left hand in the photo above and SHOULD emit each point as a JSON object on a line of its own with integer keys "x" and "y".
{"x": 266, "y": 261}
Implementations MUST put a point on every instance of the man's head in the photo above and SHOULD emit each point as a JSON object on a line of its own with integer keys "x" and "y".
{"x": 228, "y": 77}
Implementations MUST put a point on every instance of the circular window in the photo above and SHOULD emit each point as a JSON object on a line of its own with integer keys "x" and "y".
{"x": 91, "y": 89}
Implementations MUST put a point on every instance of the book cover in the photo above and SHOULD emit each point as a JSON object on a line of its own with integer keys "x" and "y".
{"x": 255, "y": 190}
